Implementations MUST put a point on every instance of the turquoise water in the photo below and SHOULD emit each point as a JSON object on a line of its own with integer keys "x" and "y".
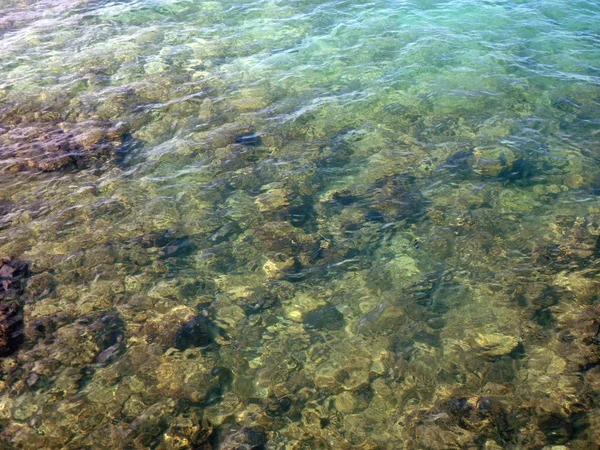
{"x": 299, "y": 225}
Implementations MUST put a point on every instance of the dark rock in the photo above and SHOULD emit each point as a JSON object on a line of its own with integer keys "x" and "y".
{"x": 248, "y": 139}
{"x": 460, "y": 162}
{"x": 51, "y": 146}
{"x": 11, "y": 328}
{"x": 502, "y": 371}
{"x": 325, "y": 318}
{"x": 277, "y": 407}
{"x": 427, "y": 338}
{"x": 459, "y": 407}
{"x": 225, "y": 377}
{"x": 374, "y": 216}
{"x": 180, "y": 248}
{"x": 436, "y": 323}
{"x": 200, "y": 331}
{"x": 518, "y": 352}
{"x": 303, "y": 216}
{"x": 5, "y": 208}
{"x": 44, "y": 327}
{"x": 344, "y": 198}
{"x": 224, "y": 233}
{"x": 12, "y": 274}
{"x": 40, "y": 285}
{"x": 557, "y": 429}
{"x": 521, "y": 171}
{"x": 108, "y": 330}
{"x": 109, "y": 335}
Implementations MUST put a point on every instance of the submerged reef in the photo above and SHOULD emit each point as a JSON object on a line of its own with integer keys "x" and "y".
{"x": 51, "y": 146}
{"x": 381, "y": 309}
{"x": 299, "y": 225}
{"x": 12, "y": 277}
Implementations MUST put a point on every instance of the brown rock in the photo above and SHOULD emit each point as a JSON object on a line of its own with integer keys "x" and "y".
{"x": 53, "y": 146}
{"x": 11, "y": 328}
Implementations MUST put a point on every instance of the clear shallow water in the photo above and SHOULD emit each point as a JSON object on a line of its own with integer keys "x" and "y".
{"x": 299, "y": 225}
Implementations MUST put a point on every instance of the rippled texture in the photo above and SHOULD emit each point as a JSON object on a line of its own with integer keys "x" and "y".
{"x": 299, "y": 225}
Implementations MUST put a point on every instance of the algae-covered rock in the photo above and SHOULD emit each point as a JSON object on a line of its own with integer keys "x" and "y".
{"x": 403, "y": 271}
{"x": 337, "y": 263}
{"x": 50, "y": 147}
{"x": 12, "y": 280}
{"x": 12, "y": 276}
{"x": 247, "y": 437}
{"x": 518, "y": 201}
{"x": 327, "y": 317}
{"x": 11, "y": 328}
{"x": 227, "y": 134}
{"x": 278, "y": 269}
{"x": 273, "y": 199}
{"x": 492, "y": 160}
{"x": 382, "y": 319}
{"x": 492, "y": 345}
{"x": 200, "y": 331}
{"x": 296, "y": 307}
{"x": 347, "y": 368}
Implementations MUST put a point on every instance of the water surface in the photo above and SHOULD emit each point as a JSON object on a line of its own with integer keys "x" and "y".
{"x": 299, "y": 225}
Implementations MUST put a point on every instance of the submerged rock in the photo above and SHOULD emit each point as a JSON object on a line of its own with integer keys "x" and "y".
{"x": 5, "y": 209}
{"x": 346, "y": 402}
{"x": 11, "y": 328}
{"x": 53, "y": 146}
{"x": 522, "y": 172}
{"x": 229, "y": 133}
{"x": 303, "y": 215}
{"x": 109, "y": 336}
{"x": 382, "y": 319}
{"x": 325, "y": 318}
{"x": 272, "y": 199}
{"x": 200, "y": 331}
{"x": 493, "y": 160}
{"x": 12, "y": 275}
{"x": 247, "y": 438}
{"x": 493, "y": 345}
{"x": 180, "y": 247}
{"x": 460, "y": 162}
{"x": 248, "y": 139}
{"x": 398, "y": 198}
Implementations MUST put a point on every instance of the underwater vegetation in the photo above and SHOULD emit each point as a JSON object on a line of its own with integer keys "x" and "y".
{"x": 299, "y": 225}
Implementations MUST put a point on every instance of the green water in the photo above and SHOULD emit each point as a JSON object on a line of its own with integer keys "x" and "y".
{"x": 299, "y": 225}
